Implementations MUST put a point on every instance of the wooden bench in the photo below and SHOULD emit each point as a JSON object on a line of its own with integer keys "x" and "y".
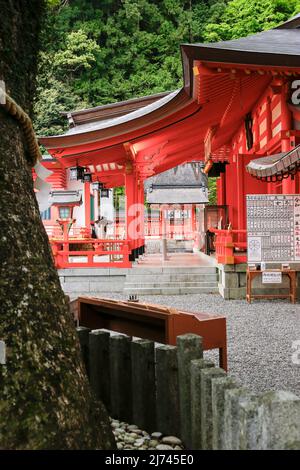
{"x": 153, "y": 322}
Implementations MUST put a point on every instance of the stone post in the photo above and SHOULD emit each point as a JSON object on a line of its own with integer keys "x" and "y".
{"x": 99, "y": 365}
{"x": 219, "y": 385}
{"x": 143, "y": 384}
{"x": 196, "y": 367}
{"x": 207, "y": 376}
{"x": 233, "y": 398}
{"x": 279, "y": 421}
{"x": 189, "y": 347}
{"x": 120, "y": 378}
{"x": 248, "y": 423}
{"x": 167, "y": 391}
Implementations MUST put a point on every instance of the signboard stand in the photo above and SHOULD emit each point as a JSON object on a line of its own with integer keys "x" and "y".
{"x": 273, "y": 275}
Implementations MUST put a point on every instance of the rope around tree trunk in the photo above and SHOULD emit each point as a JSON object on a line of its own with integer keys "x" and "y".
{"x": 25, "y": 122}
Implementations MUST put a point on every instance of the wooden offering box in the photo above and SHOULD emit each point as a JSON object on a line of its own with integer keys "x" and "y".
{"x": 154, "y": 322}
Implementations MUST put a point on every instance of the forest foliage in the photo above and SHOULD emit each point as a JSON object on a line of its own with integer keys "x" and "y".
{"x": 101, "y": 51}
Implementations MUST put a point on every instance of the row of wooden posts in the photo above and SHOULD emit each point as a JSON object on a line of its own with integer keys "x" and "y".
{"x": 174, "y": 390}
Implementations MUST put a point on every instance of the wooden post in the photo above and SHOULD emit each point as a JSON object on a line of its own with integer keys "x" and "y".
{"x": 129, "y": 218}
{"x": 164, "y": 248}
{"x": 288, "y": 185}
{"x": 229, "y": 248}
{"x": 140, "y": 217}
{"x": 268, "y": 119}
{"x": 87, "y": 204}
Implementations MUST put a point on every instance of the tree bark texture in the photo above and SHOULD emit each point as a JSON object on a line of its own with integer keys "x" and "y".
{"x": 45, "y": 399}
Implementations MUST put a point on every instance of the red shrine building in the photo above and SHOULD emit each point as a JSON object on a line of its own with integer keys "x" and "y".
{"x": 238, "y": 112}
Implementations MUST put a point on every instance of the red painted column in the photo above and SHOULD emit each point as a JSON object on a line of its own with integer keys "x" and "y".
{"x": 256, "y": 131}
{"x": 142, "y": 212}
{"x": 138, "y": 213}
{"x": 87, "y": 204}
{"x": 130, "y": 201}
{"x": 297, "y": 183}
{"x": 194, "y": 225}
{"x": 161, "y": 215}
{"x": 194, "y": 219}
{"x": 241, "y": 197}
{"x": 288, "y": 185}
{"x": 268, "y": 119}
{"x": 135, "y": 216}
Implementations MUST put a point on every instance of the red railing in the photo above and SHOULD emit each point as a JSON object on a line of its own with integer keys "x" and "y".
{"x": 117, "y": 231}
{"x": 153, "y": 229}
{"x": 55, "y": 231}
{"x": 230, "y": 246}
{"x": 90, "y": 253}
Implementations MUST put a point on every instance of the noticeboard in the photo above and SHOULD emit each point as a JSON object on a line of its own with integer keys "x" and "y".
{"x": 273, "y": 226}
{"x": 271, "y": 277}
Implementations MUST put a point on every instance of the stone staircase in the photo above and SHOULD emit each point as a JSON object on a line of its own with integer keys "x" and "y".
{"x": 171, "y": 280}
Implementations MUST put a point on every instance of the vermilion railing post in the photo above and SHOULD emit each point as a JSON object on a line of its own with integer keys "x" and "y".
{"x": 229, "y": 248}
{"x": 224, "y": 246}
{"x": 125, "y": 250}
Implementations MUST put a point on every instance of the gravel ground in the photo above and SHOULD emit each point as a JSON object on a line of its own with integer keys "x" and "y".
{"x": 259, "y": 335}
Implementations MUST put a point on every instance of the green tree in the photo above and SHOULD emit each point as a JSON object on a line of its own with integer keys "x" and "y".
{"x": 79, "y": 53}
{"x": 99, "y": 52}
{"x": 243, "y": 17}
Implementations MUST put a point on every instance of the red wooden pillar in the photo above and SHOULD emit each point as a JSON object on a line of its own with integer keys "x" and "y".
{"x": 256, "y": 130}
{"x": 130, "y": 210}
{"x": 297, "y": 183}
{"x": 136, "y": 214}
{"x": 268, "y": 119}
{"x": 161, "y": 215}
{"x": 87, "y": 204}
{"x": 288, "y": 185}
{"x": 241, "y": 196}
{"x": 141, "y": 200}
{"x": 194, "y": 225}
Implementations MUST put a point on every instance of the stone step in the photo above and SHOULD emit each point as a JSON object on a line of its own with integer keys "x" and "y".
{"x": 176, "y": 285}
{"x": 172, "y": 277}
{"x": 136, "y": 270}
{"x": 171, "y": 290}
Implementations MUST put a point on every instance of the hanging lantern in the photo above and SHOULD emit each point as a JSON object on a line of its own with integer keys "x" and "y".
{"x": 76, "y": 173}
{"x": 105, "y": 192}
{"x": 97, "y": 186}
{"x": 87, "y": 177}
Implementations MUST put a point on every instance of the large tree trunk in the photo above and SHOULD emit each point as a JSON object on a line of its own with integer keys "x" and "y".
{"x": 45, "y": 398}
